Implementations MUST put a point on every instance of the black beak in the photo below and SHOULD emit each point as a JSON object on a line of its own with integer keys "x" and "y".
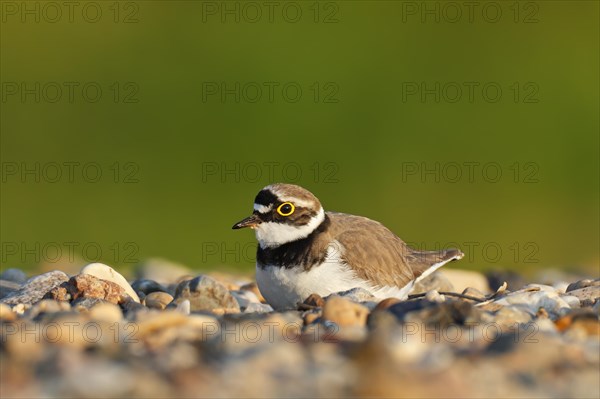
{"x": 250, "y": 221}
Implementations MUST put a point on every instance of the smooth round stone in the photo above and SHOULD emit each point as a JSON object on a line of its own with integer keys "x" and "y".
{"x": 145, "y": 286}
{"x": 6, "y": 313}
{"x": 158, "y": 300}
{"x": 105, "y": 272}
{"x": 48, "y": 306}
{"x": 106, "y": 312}
{"x": 344, "y": 312}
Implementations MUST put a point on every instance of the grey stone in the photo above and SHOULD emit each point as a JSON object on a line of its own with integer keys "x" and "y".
{"x": 436, "y": 281}
{"x": 535, "y": 296}
{"x": 583, "y": 284}
{"x": 587, "y": 294}
{"x": 508, "y": 316}
{"x": 47, "y": 306}
{"x": 132, "y": 308}
{"x": 14, "y": 275}
{"x": 205, "y": 293}
{"x": 244, "y": 298}
{"x": 258, "y": 308}
{"x": 88, "y": 303}
{"x": 146, "y": 286}
{"x": 35, "y": 288}
{"x": 8, "y": 287}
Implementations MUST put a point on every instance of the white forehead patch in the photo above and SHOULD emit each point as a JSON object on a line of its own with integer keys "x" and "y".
{"x": 262, "y": 209}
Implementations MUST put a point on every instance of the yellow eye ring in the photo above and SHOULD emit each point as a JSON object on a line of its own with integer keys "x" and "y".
{"x": 283, "y": 212}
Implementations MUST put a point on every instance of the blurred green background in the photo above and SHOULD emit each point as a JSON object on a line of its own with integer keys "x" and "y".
{"x": 185, "y": 128}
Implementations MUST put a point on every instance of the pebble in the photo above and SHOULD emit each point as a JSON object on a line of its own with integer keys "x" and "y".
{"x": 334, "y": 347}
{"x": 205, "y": 293}
{"x": 7, "y": 288}
{"x": 6, "y": 313}
{"x": 344, "y": 312}
{"x": 434, "y": 296}
{"x": 133, "y": 309}
{"x": 442, "y": 314}
{"x": 144, "y": 287}
{"x": 106, "y": 312}
{"x": 507, "y": 316}
{"x": 107, "y": 273}
{"x": 14, "y": 276}
{"x": 158, "y": 300}
{"x": 586, "y": 295}
{"x": 311, "y": 317}
{"x": 258, "y": 308}
{"x": 253, "y": 287}
{"x": 47, "y": 306}
{"x": 34, "y": 289}
{"x": 88, "y": 286}
{"x": 403, "y": 308}
{"x": 314, "y": 300}
{"x": 244, "y": 298}
{"x": 83, "y": 304}
{"x": 436, "y": 281}
{"x": 583, "y": 284}
{"x": 535, "y": 296}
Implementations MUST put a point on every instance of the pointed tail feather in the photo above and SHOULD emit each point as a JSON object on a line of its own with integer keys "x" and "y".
{"x": 423, "y": 263}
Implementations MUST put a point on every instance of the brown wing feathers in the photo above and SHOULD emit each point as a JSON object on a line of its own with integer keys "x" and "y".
{"x": 378, "y": 255}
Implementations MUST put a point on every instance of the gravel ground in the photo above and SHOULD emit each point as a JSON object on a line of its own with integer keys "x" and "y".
{"x": 173, "y": 333}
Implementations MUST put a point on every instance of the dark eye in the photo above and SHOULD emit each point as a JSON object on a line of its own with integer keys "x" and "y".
{"x": 286, "y": 209}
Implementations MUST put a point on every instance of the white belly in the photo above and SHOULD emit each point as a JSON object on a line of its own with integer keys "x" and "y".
{"x": 284, "y": 288}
